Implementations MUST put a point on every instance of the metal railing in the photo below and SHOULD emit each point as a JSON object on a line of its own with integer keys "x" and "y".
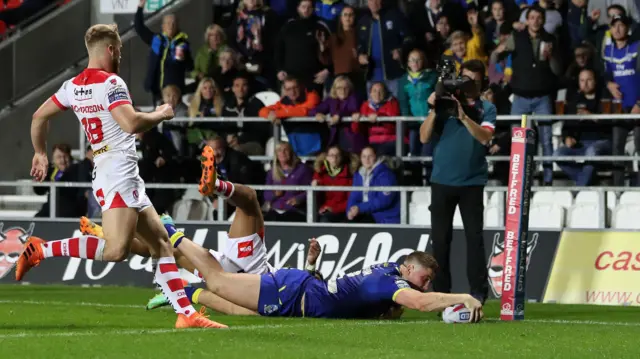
{"x": 400, "y": 132}
{"x": 311, "y": 190}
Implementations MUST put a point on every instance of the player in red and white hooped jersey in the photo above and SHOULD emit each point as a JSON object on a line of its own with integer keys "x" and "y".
{"x": 100, "y": 99}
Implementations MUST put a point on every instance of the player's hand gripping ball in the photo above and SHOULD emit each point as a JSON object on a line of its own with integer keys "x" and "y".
{"x": 456, "y": 314}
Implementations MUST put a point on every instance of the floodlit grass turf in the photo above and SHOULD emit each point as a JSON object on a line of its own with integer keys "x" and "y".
{"x": 110, "y": 322}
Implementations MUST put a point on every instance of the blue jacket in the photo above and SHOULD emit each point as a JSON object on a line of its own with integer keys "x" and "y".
{"x": 383, "y": 206}
{"x": 395, "y": 34}
{"x": 169, "y": 59}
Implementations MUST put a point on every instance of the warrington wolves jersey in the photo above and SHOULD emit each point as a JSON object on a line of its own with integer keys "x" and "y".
{"x": 368, "y": 293}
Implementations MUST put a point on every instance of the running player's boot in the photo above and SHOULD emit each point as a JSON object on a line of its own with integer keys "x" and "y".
{"x": 197, "y": 320}
{"x": 30, "y": 257}
{"x": 209, "y": 175}
{"x": 88, "y": 228}
{"x": 158, "y": 301}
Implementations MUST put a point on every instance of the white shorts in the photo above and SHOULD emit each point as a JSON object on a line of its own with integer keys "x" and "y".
{"x": 117, "y": 182}
{"x": 244, "y": 255}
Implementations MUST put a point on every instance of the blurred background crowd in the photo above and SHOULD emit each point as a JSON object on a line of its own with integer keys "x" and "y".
{"x": 329, "y": 60}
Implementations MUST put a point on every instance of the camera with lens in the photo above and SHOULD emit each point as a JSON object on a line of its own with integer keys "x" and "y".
{"x": 451, "y": 86}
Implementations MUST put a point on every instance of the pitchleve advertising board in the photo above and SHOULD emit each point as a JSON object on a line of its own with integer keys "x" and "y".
{"x": 345, "y": 249}
{"x": 596, "y": 268}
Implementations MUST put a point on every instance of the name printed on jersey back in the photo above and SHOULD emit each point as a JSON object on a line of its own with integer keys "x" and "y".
{"x": 92, "y": 95}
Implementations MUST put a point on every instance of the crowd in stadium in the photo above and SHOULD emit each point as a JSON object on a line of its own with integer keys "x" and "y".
{"x": 329, "y": 60}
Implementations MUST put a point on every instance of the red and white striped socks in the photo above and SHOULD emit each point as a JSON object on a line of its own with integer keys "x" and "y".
{"x": 89, "y": 247}
{"x": 170, "y": 282}
{"x": 224, "y": 189}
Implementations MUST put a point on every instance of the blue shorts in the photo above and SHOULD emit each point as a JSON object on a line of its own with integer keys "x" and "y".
{"x": 281, "y": 292}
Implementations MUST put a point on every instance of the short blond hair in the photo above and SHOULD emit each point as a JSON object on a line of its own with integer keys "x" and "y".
{"x": 101, "y": 33}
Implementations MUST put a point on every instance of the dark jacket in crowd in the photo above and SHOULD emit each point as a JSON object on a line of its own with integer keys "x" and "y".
{"x": 251, "y": 131}
{"x": 297, "y": 49}
{"x": 531, "y": 76}
{"x": 169, "y": 59}
{"x": 153, "y": 145}
{"x": 237, "y": 167}
{"x": 70, "y": 202}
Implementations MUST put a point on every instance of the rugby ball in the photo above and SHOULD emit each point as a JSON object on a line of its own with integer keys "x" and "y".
{"x": 456, "y": 314}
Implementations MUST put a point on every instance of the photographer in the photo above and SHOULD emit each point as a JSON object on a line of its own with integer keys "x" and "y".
{"x": 459, "y": 125}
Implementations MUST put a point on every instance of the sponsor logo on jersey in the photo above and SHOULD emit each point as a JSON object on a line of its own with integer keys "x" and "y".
{"x": 270, "y": 308}
{"x": 117, "y": 94}
{"x": 245, "y": 249}
{"x": 82, "y": 94}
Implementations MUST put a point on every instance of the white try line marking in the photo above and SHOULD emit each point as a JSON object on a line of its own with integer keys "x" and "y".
{"x": 307, "y": 324}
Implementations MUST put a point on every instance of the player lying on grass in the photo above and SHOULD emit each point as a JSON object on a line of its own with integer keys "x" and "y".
{"x": 245, "y": 250}
{"x": 370, "y": 293}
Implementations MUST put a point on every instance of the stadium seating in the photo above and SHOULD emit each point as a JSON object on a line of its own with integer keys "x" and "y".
{"x": 563, "y": 199}
{"x": 584, "y": 215}
{"x": 548, "y": 216}
{"x": 493, "y": 217}
{"x": 625, "y": 216}
{"x": 190, "y": 210}
{"x": 419, "y": 213}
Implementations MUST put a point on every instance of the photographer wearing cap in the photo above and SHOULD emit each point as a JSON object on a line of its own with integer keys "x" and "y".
{"x": 459, "y": 126}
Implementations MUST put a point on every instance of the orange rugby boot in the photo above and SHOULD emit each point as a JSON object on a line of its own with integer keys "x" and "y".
{"x": 209, "y": 175}
{"x": 198, "y": 320}
{"x": 88, "y": 228}
{"x": 30, "y": 256}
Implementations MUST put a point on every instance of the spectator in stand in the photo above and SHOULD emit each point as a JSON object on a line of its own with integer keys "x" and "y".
{"x": 622, "y": 73}
{"x": 341, "y": 52}
{"x": 206, "y": 102}
{"x": 415, "y": 89}
{"x": 229, "y": 69}
{"x": 329, "y": 12}
{"x": 535, "y": 71}
{"x": 629, "y": 7}
{"x": 253, "y": 138}
{"x": 500, "y": 67}
{"x": 552, "y": 19}
{"x": 463, "y": 48}
{"x": 382, "y": 35}
{"x": 298, "y": 49}
{"x": 442, "y": 40}
{"x": 287, "y": 170}
{"x": 159, "y": 164}
{"x": 341, "y": 102}
{"x": 305, "y": 138}
{"x": 577, "y": 22}
{"x": 369, "y": 206}
{"x": 382, "y": 135}
{"x": 585, "y": 137}
{"x": 169, "y": 56}
{"x": 206, "y": 61}
{"x": 27, "y": 9}
{"x": 600, "y": 35}
{"x": 175, "y": 131}
{"x": 254, "y": 33}
{"x": 583, "y": 59}
{"x": 235, "y": 166}
{"x": 500, "y": 144}
{"x": 334, "y": 168}
{"x": 423, "y": 19}
{"x": 498, "y": 20}
{"x": 70, "y": 201}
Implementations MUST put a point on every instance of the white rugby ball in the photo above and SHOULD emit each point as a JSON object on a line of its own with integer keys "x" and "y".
{"x": 456, "y": 314}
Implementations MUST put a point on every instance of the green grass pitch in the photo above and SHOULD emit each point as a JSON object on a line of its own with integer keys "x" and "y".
{"x": 110, "y": 322}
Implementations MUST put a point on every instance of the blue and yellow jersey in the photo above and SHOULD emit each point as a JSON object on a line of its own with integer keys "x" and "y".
{"x": 367, "y": 293}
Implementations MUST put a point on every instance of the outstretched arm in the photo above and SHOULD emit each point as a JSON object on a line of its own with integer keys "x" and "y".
{"x": 437, "y": 302}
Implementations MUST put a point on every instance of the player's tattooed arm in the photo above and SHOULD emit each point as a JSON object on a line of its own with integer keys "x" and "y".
{"x": 431, "y": 302}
